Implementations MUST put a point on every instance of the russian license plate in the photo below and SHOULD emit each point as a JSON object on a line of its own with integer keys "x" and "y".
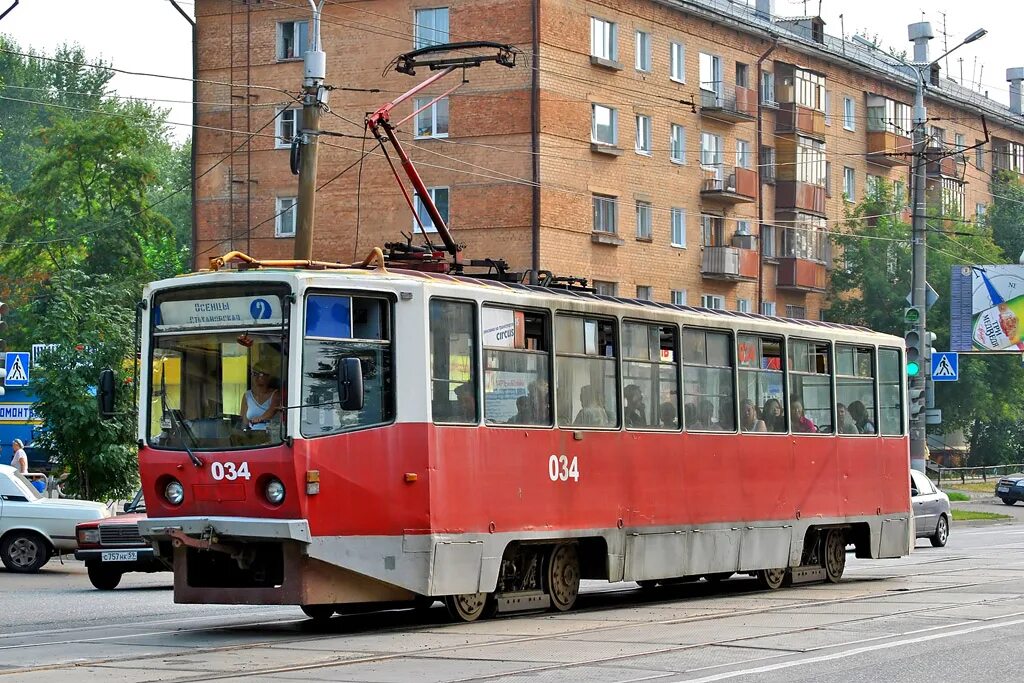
{"x": 1003, "y": 489}
{"x": 120, "y": 556}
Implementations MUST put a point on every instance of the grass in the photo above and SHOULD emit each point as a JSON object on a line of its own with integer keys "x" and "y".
{"x": 971, "y": 515}
{"x": 957, "y": 497}
{"x": 974, "y": 487}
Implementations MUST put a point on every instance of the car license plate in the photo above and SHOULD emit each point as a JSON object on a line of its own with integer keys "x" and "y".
{"x": 120, "y": 556}
{"x": 1003, "y": 489}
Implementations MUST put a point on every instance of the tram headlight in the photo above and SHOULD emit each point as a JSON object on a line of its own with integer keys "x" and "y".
{"x": 274, "y": 492}
{"x": 174, "y": 492}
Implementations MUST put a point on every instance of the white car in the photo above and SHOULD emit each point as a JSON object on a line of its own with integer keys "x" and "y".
{"x": 34, "y": 528}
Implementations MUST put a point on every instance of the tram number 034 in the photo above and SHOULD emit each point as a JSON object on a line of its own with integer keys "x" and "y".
{"x": 229, "y": 470}
{"x": 561, "y": 468}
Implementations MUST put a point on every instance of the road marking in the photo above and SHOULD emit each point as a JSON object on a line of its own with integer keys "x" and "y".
{"x": 848, "y": 653}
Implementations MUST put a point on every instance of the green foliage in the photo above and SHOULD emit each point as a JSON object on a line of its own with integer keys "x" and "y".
{"x": 91, "y": 320}
{"x": 1006, "y": 214}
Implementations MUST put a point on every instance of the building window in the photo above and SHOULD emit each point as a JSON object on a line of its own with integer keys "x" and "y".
{"x": 432, "y": 122}
{"x": 828, "y": 178}
{"x": 677, "y": 62}
{"x": 678, "y": 297}
{"x": 602, "y": 39}
{"x": 431, "y": 27}
{"x": 828, "y": 107}
{"x": 769, "y": 241}
{"x": 768, "y": 165}
{"x": 743, "y": 156}
{"x": 677, "y": 144}
{"x": 712, "y": 301}
{"x": 938, "y": 136}
{"x": 795, "y": 311}
{"x": 679, "y": 228}
{"x": 291, "y": 39}
{"x": 743, "y": 305}
{"x": 742, "y": 227}
{"x": 849, "y": 184}
{"x": 849, "y": 113}
{"x": 742, "y": 75}
{"x": 899, "y": 193}
{"x": 606, "y": 288}
{"x": 711, "y": 154}
{"x": 768, "y": 88}
{"x": 960, "y": 141}
{"x": 643, "y": 134}
{"x": 440, "y": 197}
{"x": 711, "y": 77}
{"x": 604, "y": 125}
{"x": 284, "y": 216}
{"x": 979, "y": 212}
{"x": 768, "y": 308}
{"x": 712, "y": 230}
{"x": 287, "y": 127}
{"x": 644, "y": 212}
{"x": 645, "y": 292}
{"x": 605, "y": 214}
{"x": 643, "y": 51}
{"x": 873, "y": 185}
{"x": 979, "y": 154}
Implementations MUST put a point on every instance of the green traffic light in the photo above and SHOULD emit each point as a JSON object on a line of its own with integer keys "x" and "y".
{"x": 913, "y": 368}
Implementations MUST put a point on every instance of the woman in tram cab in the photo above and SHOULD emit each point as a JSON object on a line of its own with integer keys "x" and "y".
{"x": 260, "y": 403}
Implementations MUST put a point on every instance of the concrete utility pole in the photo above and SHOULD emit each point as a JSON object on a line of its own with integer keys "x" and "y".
{"x": 314, "y": 96}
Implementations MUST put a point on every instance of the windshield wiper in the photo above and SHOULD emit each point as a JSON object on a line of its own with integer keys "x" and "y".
{"x": 178, "y": 431}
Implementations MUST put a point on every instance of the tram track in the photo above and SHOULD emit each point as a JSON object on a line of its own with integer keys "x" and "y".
{"x": 603, "y": 599}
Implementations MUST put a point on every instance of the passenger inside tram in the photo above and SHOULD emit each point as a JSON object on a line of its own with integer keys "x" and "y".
{"x": 635, "y": 408}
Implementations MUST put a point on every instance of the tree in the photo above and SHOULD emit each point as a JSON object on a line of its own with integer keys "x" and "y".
{"x": 1005, "y": 216}
{"x": 88, "y": 319}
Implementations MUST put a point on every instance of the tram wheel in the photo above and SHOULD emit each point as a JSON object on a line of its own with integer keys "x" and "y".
{"x": 564, "y": 576}
{"x": 771, "y": 579}
{"x": 835, "y": 555}
{"x": 318, "y": 613}
{"x": 469, "y": 606}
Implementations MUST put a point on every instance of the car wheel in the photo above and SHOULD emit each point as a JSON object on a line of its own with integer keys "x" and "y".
{"x": 941, "y": 534}
{"x": 104, "y": 578}
{"x": 1008, "y": 501}
{"x": 24, "y": 552}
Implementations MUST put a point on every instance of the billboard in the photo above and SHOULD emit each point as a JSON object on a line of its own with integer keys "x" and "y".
{"x": 987, "y": 309}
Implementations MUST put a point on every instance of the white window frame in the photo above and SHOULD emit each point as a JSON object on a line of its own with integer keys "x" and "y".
{"x": 614, "y": 215}
{"x": 715, "y": 80}
{"x": 644, "y": 220}
{"x": 768, "y": 308}
{"x": 428, "y": 224}
{"x": 644, "y": 55}
{"x": 713, "y": 301}
{"x": 299, "y": 49}
{"x": 283, "y": 217}
{"x": 849, "y": 184}
{"x": 645, "y": 292}
{"x": 643, "y": 134}
{"x": 614, "y": 118}
{"x": 425, "y": 27}
{"x": 605, "y": 287}
{"x": 430, "y": 111}
{"x": 849, "y": 114}
{"x": 744, "y": 154}
{"x": 286, "y": 130}
{"x": 743, "y": 305}
{"x": 767, "y": 88}
{"x": 677, "y": 62}
{"x": 678, "y": 297}
{"x": 677, "y": 144}
{"x": 979, "y": 211}
{"x": 603, "y": 39}
{"x": 677, "y": 225}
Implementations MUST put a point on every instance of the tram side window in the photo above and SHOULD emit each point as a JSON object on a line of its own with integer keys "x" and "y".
{"x": 890, "y": 393}
{"x": 762, "y": 404}
{"x": 586, "y": 392}
{"x": 810, "y": 387}
{"x": 650, "y": 368}
{"x": 517, "y": 366}
{"x": 855, "y": 386}
{"x": 340, "y": 327}
{"x": 708, "y": 398}
{"x": 452, "y": 365}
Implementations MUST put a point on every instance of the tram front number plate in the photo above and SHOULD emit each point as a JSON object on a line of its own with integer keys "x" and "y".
{"x": 120, "y": 556}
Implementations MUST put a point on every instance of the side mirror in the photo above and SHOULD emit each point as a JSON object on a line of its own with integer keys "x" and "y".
{"x": 127, "y": 507}
{"x": 106, "y": 393}
{"x": 914, "y": 492}
{"x": 350, "y": 384}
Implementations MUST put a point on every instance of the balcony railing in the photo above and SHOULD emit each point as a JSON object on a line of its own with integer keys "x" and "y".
{"x": 729, "y": 263}
{"x": 795, "y": 118}
{"x": 729, "y": 104}
{"x": 801, "y": 275}
{"x": 799, "y": 196}
{"x": 737, "y": 187}
{"x": 889, "y": 149}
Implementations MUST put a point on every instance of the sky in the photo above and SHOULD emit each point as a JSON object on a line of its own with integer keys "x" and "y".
{"x": 150, "y": 36}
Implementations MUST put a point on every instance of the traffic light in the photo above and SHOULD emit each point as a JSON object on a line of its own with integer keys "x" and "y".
{"x": 928, "y": 349}
{"x": 914, "y": 352}
{"x": 917, "y": 401}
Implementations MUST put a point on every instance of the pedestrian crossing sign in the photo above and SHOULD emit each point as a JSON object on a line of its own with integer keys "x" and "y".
{"x": 945, "y": 366}
{"x": 17, "y": 366}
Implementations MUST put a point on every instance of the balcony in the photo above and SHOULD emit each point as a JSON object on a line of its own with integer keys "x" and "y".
{"x": 794, "y": 118}
{"x": 801, "y": 275}
{"x": 799, "y": 196}
{"x": 889, "y": 149}
{"x": 736, "y": 106}
{"x": 943, "y": 162}
{"x": 738, "y": 187}
{"x": 729, "y": 263}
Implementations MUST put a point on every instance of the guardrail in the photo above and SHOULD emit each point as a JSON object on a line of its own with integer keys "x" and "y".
{"x": 982, "y": 472}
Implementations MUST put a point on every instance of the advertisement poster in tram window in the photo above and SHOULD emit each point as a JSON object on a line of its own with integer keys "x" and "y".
{"x": 987, "y": 309}
{"x": 505, "y": 329}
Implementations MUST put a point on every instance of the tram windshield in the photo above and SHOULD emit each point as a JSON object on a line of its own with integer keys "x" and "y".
{"x": 218, "y": 367}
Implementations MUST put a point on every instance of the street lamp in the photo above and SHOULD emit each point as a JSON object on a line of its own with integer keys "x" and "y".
{"x": 918, "y": 383}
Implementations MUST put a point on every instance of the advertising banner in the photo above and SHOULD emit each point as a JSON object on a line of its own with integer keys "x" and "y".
{"x": 987, "y": 309}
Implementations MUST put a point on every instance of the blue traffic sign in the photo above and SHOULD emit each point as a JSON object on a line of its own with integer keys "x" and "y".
{"x": 945, "y": 366}
{"x": 17, "y": 366}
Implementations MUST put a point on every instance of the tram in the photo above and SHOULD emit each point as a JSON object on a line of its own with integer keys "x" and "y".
{"x": 350, "y": 436}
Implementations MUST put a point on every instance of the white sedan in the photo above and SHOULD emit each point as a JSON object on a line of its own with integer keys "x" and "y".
{"x": 34, "y": 528}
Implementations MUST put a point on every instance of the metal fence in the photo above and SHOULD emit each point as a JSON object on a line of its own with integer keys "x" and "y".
{"x": 981, "y": 473}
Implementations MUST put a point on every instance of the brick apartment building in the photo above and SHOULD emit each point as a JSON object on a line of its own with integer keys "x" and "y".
{"x": 695, "y": 151}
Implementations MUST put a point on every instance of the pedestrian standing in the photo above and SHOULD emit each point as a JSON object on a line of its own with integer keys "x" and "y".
{"x": 20, "y": 459}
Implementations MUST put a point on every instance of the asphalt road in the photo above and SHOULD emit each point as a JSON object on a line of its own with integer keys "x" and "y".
{"x": 921, "y": 618}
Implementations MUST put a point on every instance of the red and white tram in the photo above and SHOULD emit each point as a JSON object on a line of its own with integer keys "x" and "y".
{"x": 326, "y": 438}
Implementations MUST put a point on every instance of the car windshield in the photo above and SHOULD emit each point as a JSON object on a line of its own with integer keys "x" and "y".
{"x": 218, "y": 367}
